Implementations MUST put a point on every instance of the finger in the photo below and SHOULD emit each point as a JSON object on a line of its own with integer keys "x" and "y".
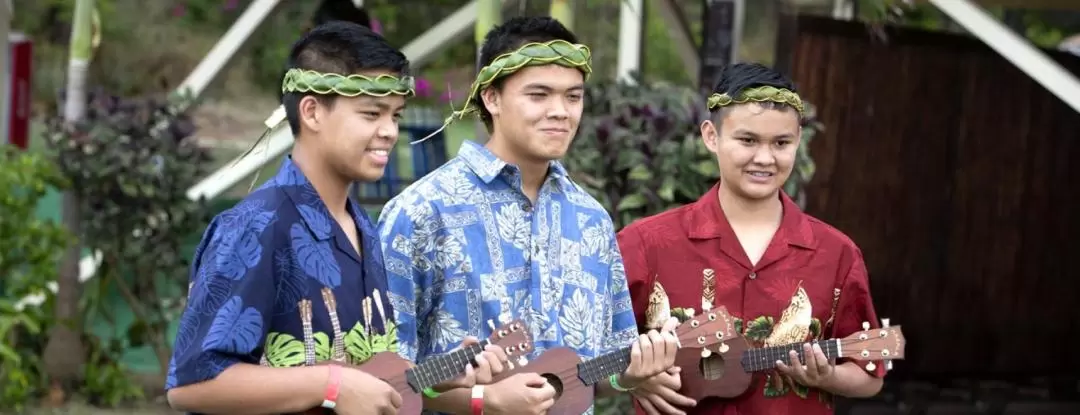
{"x": 546, "y": 392}
{"x": 468, "y": 341}
{"x": 482, "y": 374}
{"x": 669, "y": 381}
{"x": 784, "y": 369}
{"x": 674, "y": 370}
{"x": 395, "y": 400}
{"x": 796, "y": 365}
{"x": 656, "y": 344}
{"x": 671, "y": 348}
{"x": 494, "y": 361}
{"x": 545, "y": 404}
{"x": 809, "y": 360}
{"x": 672, "y": 395}
{"x": 823, "y": 364}
{"x": 636, "y": 355}
{"x": 534, "y": 380}
{"x": 670, "y": 325}
{"x": 498, "y": 352}
{"x": 647, "y": 406}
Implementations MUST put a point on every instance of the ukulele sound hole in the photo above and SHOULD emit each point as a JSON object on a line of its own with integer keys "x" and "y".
{"x": 555, "y": 383}
{"x": 712, "y": 367}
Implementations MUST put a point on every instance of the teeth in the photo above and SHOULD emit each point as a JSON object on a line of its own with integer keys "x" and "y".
{"x": 380, "y": 152}
{"x": 760, "y": 174}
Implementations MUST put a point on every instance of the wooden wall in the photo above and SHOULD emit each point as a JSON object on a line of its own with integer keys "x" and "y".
{"x": 956, "y": 175}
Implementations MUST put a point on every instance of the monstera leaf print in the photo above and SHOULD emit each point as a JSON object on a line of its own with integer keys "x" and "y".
{"x": 284, "y": 350}
{"x": 576, "y": 320}
{"x": 322, "y": 346}
{"x": 758, "y": 329}
{"x": 235, "y": 329}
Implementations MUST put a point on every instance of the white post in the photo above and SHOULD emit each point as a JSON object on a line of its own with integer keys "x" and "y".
{"x": 226, "y": 48}
{"x": 631, "y": 28}
{"x": 843, "y": 9}
{"x": 1014, "y": 48}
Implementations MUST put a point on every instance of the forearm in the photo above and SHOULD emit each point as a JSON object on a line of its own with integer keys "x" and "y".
{"x": 603, "y": 389}
{"x": 852, "y": 381}
{"x": 252, "y": 389}
{"x": 454, "y": 401}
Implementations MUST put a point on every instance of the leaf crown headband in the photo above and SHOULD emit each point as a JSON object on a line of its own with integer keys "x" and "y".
{"x": 558, "y": 52}
{"x": 759, "y": 94}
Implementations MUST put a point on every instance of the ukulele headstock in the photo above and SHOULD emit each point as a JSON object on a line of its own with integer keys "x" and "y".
{"x": 886, "y": 343}
{"x": 514, "y": 338}
{"x": 711, "y": 328}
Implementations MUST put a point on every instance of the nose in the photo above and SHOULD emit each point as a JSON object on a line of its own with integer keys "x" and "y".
{"x": 558, "y": 110}
{"x": 763, "y": 156}
{"x": 388, "y": 131}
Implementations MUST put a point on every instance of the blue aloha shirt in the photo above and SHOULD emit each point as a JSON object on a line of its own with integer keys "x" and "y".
{"x": 464, "y": 245}
{"x": 276, "y": 281}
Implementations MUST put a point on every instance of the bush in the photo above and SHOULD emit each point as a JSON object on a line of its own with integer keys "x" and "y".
{"x": 30, "y": 251}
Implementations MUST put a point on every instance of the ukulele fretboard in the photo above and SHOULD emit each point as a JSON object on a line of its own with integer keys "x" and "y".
{"x": 443, "y": 367}
{"x": 758, "y": 360}
{"x": 593, "y": 371}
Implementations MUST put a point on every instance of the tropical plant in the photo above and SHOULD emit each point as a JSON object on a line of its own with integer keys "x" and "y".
{"x": 31, "y": 249}
{"x": 130, "y": 162}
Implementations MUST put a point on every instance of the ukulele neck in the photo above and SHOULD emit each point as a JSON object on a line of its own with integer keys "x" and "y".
{"x": 763, "y": 359}
{"x": 444, "y": 367}
{"x": 596, "y": 370}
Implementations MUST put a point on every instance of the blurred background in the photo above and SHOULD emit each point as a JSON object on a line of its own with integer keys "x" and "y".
{"x": 940, "y": 141}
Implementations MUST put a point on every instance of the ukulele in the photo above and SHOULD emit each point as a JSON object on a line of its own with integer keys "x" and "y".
{"x": 723, "y": 376}
{"x": 574, "y": 380}
{"x": 410, "y": 380}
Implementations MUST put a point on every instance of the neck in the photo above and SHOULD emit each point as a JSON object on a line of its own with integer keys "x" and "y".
{"x": 533, "y": 172}
{"x": 741, "y": 210}
{"x": 442, "y": 368}
{"x": 762, "y": 359}
{"x": 332, "y": 188}
{"x": 596, "y": 370}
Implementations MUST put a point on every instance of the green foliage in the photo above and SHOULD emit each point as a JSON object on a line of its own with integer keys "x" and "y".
{"x": 31, "y": 249}
{"x": 637, "y": 149}
{"x": 130, "y": 163}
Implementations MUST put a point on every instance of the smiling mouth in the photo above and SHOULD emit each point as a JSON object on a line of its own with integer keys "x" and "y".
{"x": 379, "y": 152}
{"x": 760, "y": 174}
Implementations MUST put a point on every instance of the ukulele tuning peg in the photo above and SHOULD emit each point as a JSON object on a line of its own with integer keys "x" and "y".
{"x": 705, "y": 353}
{"x": 510, "y": 365}
{"x": 491, "y": 324}
{"x": 888, "y": 365}
{"x": 723, "y": 348}
{"x": 885, "y": 323}
{"x": 522, "y": 361}
{"x": 870, "y": 366}
{"x": 866, "y": 325}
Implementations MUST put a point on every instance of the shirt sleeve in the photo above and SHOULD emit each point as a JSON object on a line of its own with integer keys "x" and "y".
{"x": 230, "y": 302}
{"x": 621, "y": 329}
{"x": 855, "y": 306}
{"x": 407, "y": 274}
{"x": 638, "y": 272}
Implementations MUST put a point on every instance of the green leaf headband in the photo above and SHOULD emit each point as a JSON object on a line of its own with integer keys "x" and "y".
{"x": 306, "y": 80}
{"x": 759, "y": 94}
{"x": 559, "y": 52}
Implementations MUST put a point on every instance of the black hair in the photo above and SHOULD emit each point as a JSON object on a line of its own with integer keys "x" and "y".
{"x": 741, "y": 76}
{"x": 343, "y": 48}
{"x": 330, "y": 10}
{"x": 509, "y": 36}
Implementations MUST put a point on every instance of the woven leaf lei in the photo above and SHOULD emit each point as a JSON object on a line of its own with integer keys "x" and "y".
{"x": 759, "y": 94}
{"x": 304, "y": 80}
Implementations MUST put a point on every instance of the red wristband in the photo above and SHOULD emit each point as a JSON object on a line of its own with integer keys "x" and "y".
{"x": 477, "y": 402}
{"x": 333, "y": 386}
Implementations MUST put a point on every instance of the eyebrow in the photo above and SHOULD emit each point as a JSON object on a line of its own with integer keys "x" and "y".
{"x": 383, "y": 106}
{"x": 741, "y": 131}
{"x": 548, "y": 88}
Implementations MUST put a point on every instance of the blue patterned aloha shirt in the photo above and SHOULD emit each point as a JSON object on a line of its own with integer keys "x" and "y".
{"x": 276, "y": 281}
{"x": 464, "y": 245}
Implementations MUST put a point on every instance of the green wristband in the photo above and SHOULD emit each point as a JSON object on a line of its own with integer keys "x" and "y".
{"x": 431, "y": 393}
{"x": 614, "y": 380}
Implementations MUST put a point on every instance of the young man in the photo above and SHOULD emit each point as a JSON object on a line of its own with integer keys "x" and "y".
{"x": 745, "y": 245}
{"x": 502, "y": 232}
{"x": 293, "y": 274}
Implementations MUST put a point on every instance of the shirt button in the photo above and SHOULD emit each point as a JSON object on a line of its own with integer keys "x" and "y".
{"x": 753, "y": 275}
{"x": 527, "y": 207}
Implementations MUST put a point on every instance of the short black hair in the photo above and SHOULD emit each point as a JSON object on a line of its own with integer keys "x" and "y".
{"x": 741, "y": 76}
{"x": 343, "y": 48}
{"x": 509, "y": 36}
{"x": 331, "y": 10}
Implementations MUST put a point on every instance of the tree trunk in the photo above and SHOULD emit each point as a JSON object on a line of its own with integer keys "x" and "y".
{"x": 64, "y": 354}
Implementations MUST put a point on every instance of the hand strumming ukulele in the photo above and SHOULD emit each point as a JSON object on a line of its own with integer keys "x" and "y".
{"x": 410, "y": 380}
{"x": 731, "y": 373}
{"x": 574, "y": 380}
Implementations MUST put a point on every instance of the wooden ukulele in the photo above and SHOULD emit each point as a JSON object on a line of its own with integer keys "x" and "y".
{"x": 724, "y": 376}
{"x": 574, "y": 380}
{"x": 410, "y": 380}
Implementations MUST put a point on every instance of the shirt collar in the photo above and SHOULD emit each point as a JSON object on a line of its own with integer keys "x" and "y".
{"x": 488, "y": 166}
{"x": 707, "y": 221}
{"x": 291, "y": 180}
